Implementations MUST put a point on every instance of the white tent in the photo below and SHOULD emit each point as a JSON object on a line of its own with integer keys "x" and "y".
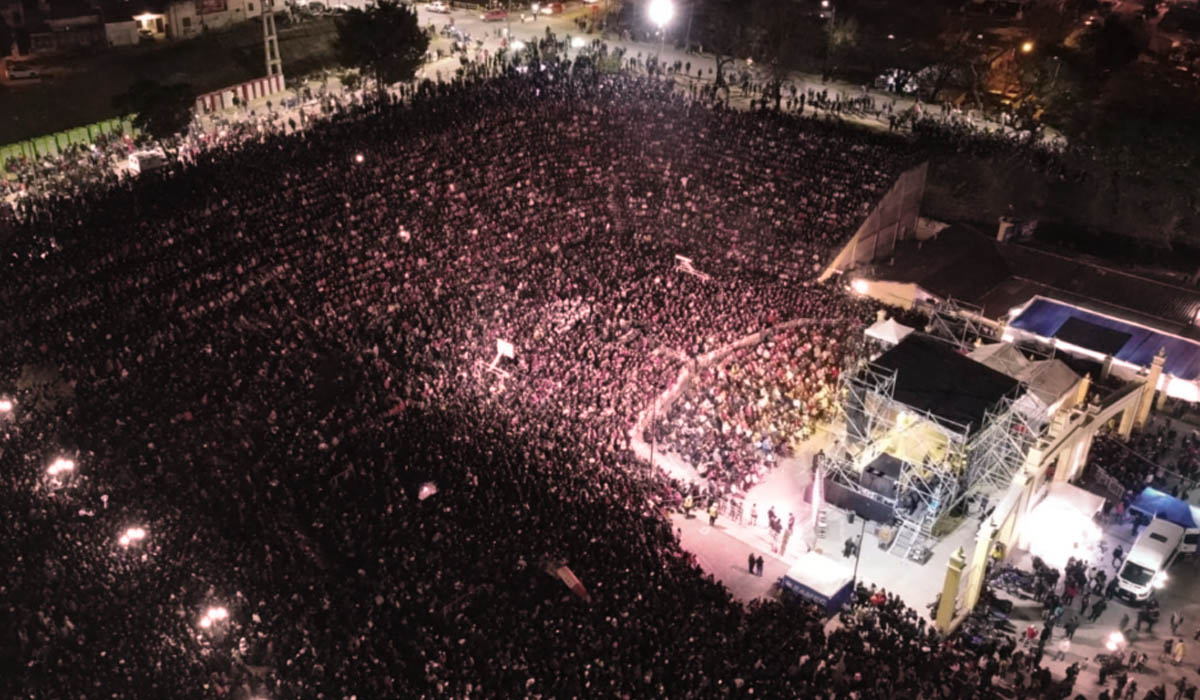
{"x": 1049, "y": 380}
{"x": 1002, "y": 357}
{"x": 888, "y": 331}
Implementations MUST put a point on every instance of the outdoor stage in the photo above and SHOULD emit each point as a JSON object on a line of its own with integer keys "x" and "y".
{"x": 722, "y": 550}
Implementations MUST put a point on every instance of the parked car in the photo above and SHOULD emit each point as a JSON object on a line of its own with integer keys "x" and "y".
{"x": 439, "y": 7}
{"x": 496, "y": 15}
{"x": 21, "y": 71}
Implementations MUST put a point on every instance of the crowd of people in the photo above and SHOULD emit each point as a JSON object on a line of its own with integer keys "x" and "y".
{"x": 739, "y": 416}
{"x": 277, "y": 367}
{"x": 1159, "y": 456}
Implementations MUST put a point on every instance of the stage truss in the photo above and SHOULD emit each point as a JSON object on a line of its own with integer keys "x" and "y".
{"x": 943, "y": 463}
{"x": 958, "y": 323}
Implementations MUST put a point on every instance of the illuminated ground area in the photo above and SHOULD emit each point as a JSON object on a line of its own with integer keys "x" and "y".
{"x": 260, "y": 362}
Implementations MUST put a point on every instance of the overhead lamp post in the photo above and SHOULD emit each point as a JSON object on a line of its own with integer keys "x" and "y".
{"x": 661, "y": 12}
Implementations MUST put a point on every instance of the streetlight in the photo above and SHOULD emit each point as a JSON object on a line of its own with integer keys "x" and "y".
{"x": 1027, "y": 47}
{"x": 661, "y": 12}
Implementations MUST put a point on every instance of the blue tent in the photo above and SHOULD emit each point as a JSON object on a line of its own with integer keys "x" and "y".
{"x": 1157, "y": 504}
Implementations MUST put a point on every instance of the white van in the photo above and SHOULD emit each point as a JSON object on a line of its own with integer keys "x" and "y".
{"x": 1145, "y": 569}
{"x": 145, "y": 161}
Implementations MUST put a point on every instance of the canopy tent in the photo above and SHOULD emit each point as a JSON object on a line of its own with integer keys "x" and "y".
{"x": 1049, "y": 381}
{"x": 1157, "y": 504}
{"x": 826, "y": 582}
{"x": 1061, "y": 526}
{"x": 1002, "y": 357}
{"x": 888, "y": 331}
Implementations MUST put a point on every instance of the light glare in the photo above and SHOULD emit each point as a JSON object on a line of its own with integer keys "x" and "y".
{"x": 5, "y": 405}
{"x": 60, "y": 466}
{"x": 132, "y": 535}
{"x": 661, "y": 12}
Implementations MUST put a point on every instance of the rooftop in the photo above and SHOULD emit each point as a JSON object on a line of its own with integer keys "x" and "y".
{"x": 1132, "y": 343}
{"x": 933, "y": 377}
{"x": 998, "y": 277}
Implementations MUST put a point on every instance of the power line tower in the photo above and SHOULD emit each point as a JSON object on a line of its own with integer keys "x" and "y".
{"x": 271, "y": 39}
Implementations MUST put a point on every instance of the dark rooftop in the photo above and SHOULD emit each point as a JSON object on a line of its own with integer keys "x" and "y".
{"x": 932, "y": 376}
{"x": 975, "y": 268}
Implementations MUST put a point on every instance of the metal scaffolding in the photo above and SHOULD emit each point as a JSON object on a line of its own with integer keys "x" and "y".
{"x": 958, "y": 323}
{"x": 997, "y": 451}
{"x": 944, "y": 463}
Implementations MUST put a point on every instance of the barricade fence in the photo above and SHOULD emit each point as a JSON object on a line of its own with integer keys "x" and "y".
{"x": 55, "y": 144}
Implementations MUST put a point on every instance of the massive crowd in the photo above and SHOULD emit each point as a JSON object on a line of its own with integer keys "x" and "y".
{"x": 274, "y": 363}
{"x": 740, "y": 415}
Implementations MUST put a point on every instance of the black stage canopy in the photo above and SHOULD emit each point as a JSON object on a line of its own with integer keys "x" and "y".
{"x": 932, "y": 376}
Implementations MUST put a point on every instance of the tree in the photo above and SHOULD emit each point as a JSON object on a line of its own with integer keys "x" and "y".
{"x": 721, "y": 26}
{"x": 162, "y": 111}
{"x": 385, "y": 42}
{"x": 6, "y": 38}
{"x": 775, "y": 47}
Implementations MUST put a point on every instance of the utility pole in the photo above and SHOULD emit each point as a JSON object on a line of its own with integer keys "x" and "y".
{"x": 271, "y": 39}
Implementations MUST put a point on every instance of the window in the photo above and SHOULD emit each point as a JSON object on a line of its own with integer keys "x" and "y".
{"x": 1137, "y": 575}
{"x": 250, "y": 7}
{"x": 1157, "y": 537}
{"x": 187, "y": 22}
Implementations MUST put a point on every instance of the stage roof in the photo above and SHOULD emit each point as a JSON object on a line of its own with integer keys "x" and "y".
{"x": 1131, "y": 343}
{"x": 932, "y": 376}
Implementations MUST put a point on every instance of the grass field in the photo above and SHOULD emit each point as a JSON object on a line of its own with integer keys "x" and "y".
{"x": 79, "y": 90}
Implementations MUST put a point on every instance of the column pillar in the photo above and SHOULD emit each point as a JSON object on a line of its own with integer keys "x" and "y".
{"x": 1147, "y": 397}
{"x": 954, "y": 572}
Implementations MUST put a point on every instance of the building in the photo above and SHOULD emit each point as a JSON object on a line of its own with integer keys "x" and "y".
{"x": 1118, "y": 319}
{"x": 190, "y": 18}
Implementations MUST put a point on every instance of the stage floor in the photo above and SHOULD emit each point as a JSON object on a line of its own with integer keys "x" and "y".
{"x": 722, "y": 550}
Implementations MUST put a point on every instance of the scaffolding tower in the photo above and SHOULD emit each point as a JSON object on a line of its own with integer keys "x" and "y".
{"x": 958, "y": 323}
{"x": 271, "y": 39}
{"x": 954, "y": 462}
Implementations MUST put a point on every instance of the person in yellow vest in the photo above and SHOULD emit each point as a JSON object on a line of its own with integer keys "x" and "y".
{"x": 687, "y": 506}
{"x": 712, "y": 513}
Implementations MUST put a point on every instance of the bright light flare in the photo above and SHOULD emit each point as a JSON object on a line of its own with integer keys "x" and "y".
{"x": 1160, "y": 580}
{"x": 518, "y": 45}
{"x": 212, "y": 616}
{"x": 1027, "y": 47}
{"x": 1056, "y": 531}
{"x": 427, "y": 489}
{"x": 6, "y": 405}
{"x": 661, "y": 12}
{"x": 860, "y": 286}
{"x": 358, "y": 158}
{"x": 1115, "y": 641}
{"x": 132, "y": 536}
{"x": 579, "y": 42}
{"x": 61, "y": 466}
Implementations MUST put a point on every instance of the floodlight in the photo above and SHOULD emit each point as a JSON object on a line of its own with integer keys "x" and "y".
{"x": 661, "y": 12}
